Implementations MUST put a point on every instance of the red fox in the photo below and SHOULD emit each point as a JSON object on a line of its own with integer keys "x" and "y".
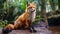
{"x": 25, "y": 20}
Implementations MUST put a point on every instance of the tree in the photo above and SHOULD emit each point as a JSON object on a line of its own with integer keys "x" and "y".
{"x": 59, "y": 3}
{"x": 52, "y": 3}
{"x": 43, "y": 11}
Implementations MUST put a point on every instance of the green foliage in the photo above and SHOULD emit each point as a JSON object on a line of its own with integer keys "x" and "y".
{"x": 56, "y": 2}
{"x": 15, "y": 18}
{"x": 2, "y": 23}
{"x": 31, "y": 0}
{"x": 19, "y": 6}
{"x": 20, "y": 3}
{"x": 6, "y": 6}
{"x": 15, "y": 11}
{"x": 38, "y": 17}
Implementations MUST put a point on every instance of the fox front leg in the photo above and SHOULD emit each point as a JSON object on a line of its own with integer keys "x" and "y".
{"x": 30, "y": 27}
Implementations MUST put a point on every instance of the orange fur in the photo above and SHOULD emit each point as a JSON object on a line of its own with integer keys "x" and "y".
{"x": 9, "y": 26}
{"x": 23, "y": 19}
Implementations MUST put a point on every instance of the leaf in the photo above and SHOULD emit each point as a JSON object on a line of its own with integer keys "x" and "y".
{"x": 15, "y": 11}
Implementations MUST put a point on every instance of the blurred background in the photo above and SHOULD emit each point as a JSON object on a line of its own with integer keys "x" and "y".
{"x": 46, "y": 9}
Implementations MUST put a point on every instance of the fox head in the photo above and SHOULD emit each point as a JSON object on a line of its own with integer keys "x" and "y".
{"x": 31, "y": 7}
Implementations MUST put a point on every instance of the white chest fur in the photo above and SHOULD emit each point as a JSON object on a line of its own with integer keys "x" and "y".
{"x": 32, "y": 16}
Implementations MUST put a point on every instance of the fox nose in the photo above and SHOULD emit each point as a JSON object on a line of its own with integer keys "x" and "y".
{"x": 33, "y": 10}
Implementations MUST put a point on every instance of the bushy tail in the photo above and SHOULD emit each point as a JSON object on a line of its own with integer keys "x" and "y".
{"x": 6, "y": 31}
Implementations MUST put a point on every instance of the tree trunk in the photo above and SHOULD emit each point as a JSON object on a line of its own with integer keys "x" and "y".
{"x": 52, "y": 3}
{"x": 43, "y": 12}
{"x": 59, "y": 4}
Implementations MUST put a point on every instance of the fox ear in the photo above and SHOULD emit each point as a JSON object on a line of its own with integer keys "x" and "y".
{"x": 34, "y": 2}
{"x": 27, "y": 3}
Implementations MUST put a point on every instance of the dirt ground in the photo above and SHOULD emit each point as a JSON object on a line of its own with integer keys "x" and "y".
{"x": 55, "y": 29}
{"x": 40, "y": 30}
{"x": 40, "y": 27}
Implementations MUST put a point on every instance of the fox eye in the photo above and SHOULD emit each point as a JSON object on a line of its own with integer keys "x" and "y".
{"x": 30, "y": 7}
